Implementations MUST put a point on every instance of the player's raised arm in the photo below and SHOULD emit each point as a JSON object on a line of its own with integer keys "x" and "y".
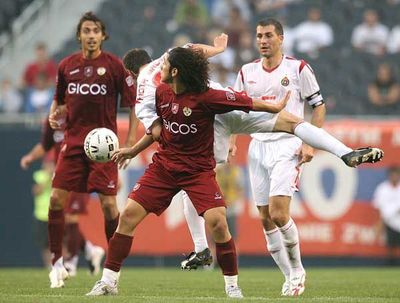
{"x": 262, "y": 106}
{"x": 220, "y": 44}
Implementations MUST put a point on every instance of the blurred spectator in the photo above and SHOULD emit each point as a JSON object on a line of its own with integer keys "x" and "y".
{"x": 393, "y": 43}
{"x": 384, "y": 91}
{"x": 192, "y": 14}
{"x": 288, "y": 42}
{"x": 313, "y": 34}
{"x": 180, "y": 40}
{"x": 237, "y": 25}
{"x": 272, "y": 8}
{"x": 246, "y": 51}
{"x": 43, "y": 64}
{"x": 40, "y": 96}
{"x": 387, "y": 201}
{"x": 230, "y": 180}
{"x": 10, "y": 97}
{"x": 370, "y": 36}
{"x": 220, "y": 11}
{"x": 41, "y": 191}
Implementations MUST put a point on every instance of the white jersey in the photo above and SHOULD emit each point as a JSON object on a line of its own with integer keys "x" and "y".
{"x": 272, "y": 85}
{"x": 387, "y": 200}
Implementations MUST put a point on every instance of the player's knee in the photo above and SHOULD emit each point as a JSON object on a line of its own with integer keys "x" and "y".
{"x": 108, "y": 204}
{"x": 279, "y": 217}
{"x": 56, "y": 202}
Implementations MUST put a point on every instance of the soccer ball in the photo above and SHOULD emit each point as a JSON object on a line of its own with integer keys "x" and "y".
{"x": 100, "y": 144}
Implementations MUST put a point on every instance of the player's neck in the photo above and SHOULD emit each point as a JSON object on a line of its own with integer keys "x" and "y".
{"x": 177, "y": 87}
{"x": 91, "y": 54}
{"x": 272, "y": 62}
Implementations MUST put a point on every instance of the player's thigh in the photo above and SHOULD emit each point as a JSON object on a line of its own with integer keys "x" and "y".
{"x": 103, "y": 178}
{"x": 285, "y": 174}
{"x": 258, "y": 165}
{"x": 221, "y": 137}
{"x": 155, "y": 189}
{"x": 71, "y": 173}
{"x": 203, "y": 190}
{"x": 255, "y": 122}
{"x": 286, "y": 122}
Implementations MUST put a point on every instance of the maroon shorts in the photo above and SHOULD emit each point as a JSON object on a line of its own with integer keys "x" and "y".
{"x": 156, "y": 188}
{"x": 77, "y": 203}
{"x": 79, "y": 174}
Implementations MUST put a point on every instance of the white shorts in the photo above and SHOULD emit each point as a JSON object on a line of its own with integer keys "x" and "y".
{"x": 238, "y": 122}
{"x": 272, "y": 168}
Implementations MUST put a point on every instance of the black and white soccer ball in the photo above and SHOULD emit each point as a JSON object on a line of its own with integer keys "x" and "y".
{"x": 100, "y": 144}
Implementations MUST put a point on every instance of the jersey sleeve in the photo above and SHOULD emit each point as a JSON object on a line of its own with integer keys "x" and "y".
{"x": 223, "y": 101}
{"x": 127, "y": 88}
{"x": 47, "y": 139}
{"x": 61, "y": 84}
{"x": 309, "y": 88}
{"x": 239, "y": 84}
{"x": 145, "y": 108}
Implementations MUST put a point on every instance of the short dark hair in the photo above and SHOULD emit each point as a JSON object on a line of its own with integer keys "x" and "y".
{"x": 274, "y": 22}
{"x": 90, "y": 16}
{"x": 135, "y": 58}
{"x": 394, "y": 170}
{"x": 192, "y": 68}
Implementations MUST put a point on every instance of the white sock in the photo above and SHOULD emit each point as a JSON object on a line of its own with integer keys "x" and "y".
{"x": 195, "y": 223}
{"x": 290, "y": 238}
{"x": 109, "y": 276}
{"x": 72, "y": 262}
{"x": 320, "y": 139}
{"x": 59, "y": 263}
{"x": 278, "y": 251}
{"x": 88, "y": 249}
{"x": 231, "y": 281}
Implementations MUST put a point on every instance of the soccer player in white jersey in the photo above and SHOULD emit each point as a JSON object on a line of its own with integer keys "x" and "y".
{"x": 275, "y": 159}
{"x": 138, "y": 62}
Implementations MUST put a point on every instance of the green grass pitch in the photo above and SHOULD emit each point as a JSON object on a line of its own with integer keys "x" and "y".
{"x": 172, "y": 285}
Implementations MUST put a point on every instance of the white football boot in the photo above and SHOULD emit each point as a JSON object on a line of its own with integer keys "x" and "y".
{"x": 58, "y": 274}
{"x": 101, "y": 288}
{"x": 286, "y": 289}
{"x": 297, "y": 283}
{"x": 234, "y": 292}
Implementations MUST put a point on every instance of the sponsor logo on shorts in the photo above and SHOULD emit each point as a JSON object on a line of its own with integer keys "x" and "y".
{"x": 136, "y": 187}
{"x": 101, "y": 71}
{"x": 230, "y": 96}
{"x": 88, "y": 71}
{"x": 111, "y": 184}
{"x": 217, "y": 196}
{"x": 285, "y": 81}
{"x": 175, "y": 108}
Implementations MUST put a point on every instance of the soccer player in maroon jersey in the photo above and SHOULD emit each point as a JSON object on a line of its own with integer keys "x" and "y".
{"x": 88, "y": 85}
{"x": 184, "y": 161}
{"x": 51, "y": 140}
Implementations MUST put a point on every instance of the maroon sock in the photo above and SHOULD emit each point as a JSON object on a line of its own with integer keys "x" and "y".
{"x": 118, "y": 249}
{"x": 73, "y": 238}
{"x": 226, "y": 257}
{"x": 55, "y": 229}
{"x": 111, "y": 227}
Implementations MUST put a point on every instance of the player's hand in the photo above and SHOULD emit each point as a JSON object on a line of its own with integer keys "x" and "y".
{"x": 123, "y": 154}
{"x": 221, "y": 42}
{"x": 25, "y": 162}
{"x": 306, "y": 154}
{"x": 124, "y": 164}
{"x": 57, "y": 118}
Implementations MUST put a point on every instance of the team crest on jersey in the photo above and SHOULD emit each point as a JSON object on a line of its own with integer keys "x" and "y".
{"x": 175, "y": 108}
{"x": 285, "y": 81}
{"x": 129, "y": 80}
{"x": 88, "y": 71}
{"x": 217, "y": 196}
{"x": 230, "y": 96}
{"x": 187, "y": 111}
{"x": 101, "y": 71}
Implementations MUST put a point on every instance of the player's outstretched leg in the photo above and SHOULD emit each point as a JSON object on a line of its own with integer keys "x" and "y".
{"x": 225, "y": 249}
{"x": 362, "y": 155}
{"x": 201, "y": 256}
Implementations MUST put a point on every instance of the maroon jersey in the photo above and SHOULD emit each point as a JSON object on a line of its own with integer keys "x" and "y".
{"x": 187, "y": 135}
{"x": 51, "y": 138}
{"x": 90, "y": 89}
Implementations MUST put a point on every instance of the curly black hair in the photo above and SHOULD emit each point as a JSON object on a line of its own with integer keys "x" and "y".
{"x": 135, "y": 58}
{"x": 192, "y": 68}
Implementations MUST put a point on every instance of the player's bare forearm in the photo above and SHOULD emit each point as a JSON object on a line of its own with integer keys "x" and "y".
{"x": 133, "y": 125}
{"x": 318, "y": 115}
{"x": 220, "y": 44}
{"x": 131, "y": 152}
{"x": 263, "y": 106}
